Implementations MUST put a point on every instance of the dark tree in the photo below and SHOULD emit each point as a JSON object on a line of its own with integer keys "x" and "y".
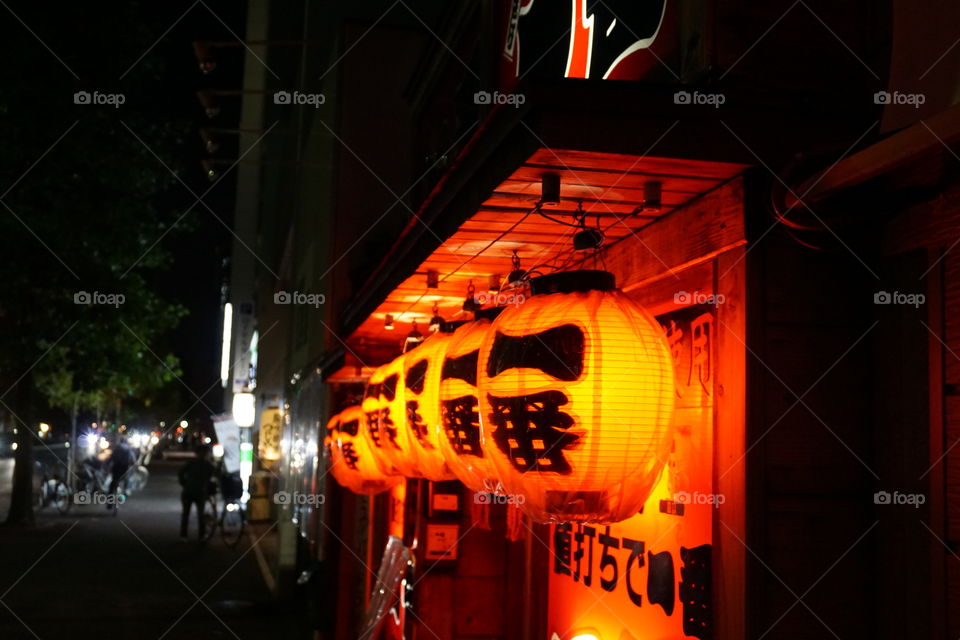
{"x": 85, "y": 216}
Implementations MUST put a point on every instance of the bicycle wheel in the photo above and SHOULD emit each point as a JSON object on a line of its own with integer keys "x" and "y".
{"x": 137, "y": 480}
{"x": 209, "y": 519}
{"x": 45, "y": 493}
{"x": 62, "y": 497}
{"x": 232, "y": 524}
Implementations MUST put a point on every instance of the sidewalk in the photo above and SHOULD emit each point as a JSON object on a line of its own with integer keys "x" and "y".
{"x": 91, "y": 575}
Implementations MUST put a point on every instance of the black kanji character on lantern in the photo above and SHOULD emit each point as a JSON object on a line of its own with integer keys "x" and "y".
{"x": 419, "y": 427}
{"x": 417, "y": 376}
{"x": 350, "y": 427}
{"x": 388, "y": 388}
{"x": 531, "y": 431}
{"x": 695, "y": 591}
{"x": 461, "y": 422}
{"x": 350, "y": 455}
{"x": 386, "y": 423}
{"x": 561, "y": 549}
{"x": 372, "y": 428}
{"x": 636, "y": 558}
{"x": 607, "y": 559}
{"x": 660, "y": 580}
{"x": 557, "y": 352}
{"x": 588, "y": 533}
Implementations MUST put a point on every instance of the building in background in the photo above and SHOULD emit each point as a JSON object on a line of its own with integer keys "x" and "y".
{"x": 776, "y": 184}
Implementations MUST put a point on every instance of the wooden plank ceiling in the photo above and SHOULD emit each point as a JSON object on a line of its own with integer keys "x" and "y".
{"x": 610, "y": 189}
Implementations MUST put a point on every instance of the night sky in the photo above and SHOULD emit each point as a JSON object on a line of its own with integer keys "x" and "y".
{"x": 201, "y": 254}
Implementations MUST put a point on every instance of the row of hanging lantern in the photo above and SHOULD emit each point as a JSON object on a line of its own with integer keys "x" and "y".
{"x": 565, "y": 400}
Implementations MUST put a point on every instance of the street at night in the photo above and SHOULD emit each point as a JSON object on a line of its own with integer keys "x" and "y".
{"x": 88, "y": 574}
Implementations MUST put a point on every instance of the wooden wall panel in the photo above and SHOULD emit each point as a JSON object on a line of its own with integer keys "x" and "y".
{"x": 693, "y": 234}
{"x": 730, "y": 438}
{"x": 809, "y": 492}
{"x": 953, "y": 596}
{"x": 951, "y": 434}
{"x": 951, "y": 317}
{"x": 951, "y": 464}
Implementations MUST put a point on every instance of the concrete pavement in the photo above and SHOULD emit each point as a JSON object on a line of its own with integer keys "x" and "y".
{"x": 91, "y": 575}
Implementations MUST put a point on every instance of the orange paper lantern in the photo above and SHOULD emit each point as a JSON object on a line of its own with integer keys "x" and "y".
{"x": 422, "y": 366}
{"x": 376, "y": 396}
{"x": 460, "y": 420}
{"x": 394, "y": 436}
{"x": 351, "y": 460}
{"x": 576, "y": 399}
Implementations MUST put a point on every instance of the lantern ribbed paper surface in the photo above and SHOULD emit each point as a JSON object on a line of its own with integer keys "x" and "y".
{"x": 394, "y": 435}
{"x": 373, "y": 406}
{"x": 576, "y": 399}
{"x": 422, "y": 367}
{"x": 460, "y": 420}
{"x": 352, "y": 462}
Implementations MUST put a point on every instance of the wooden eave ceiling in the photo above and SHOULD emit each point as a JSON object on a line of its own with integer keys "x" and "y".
{"x": 609, "y": 186}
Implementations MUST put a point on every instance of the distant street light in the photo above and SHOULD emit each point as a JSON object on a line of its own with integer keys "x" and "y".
{"x": 244, "y": 409}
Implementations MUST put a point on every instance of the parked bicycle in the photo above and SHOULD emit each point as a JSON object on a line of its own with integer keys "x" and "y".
{"x": 230, "y": 518}
{"x": 92, "y": 482}
{"x": 92, "y": 485}
{"x": 53, "y": 490}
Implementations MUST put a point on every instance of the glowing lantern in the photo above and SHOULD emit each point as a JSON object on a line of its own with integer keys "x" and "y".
{"x": 376, "y": 396}
{"x": 352, "y": 462}
{"x": 422, "y": 367}
{"x": 460, "y": 421}
{"x": 394, "y": 436}
{"x": 576, "y": 399}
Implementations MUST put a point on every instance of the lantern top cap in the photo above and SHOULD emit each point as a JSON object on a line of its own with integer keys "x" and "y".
{"x": 451, "y": 325}
{"x": 573, "y": 282}
{"x": 490, "y": 313}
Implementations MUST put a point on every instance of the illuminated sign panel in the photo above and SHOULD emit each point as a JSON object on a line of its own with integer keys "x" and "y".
{"x": 615, "y": 40}
{"x": 650, "y": 576}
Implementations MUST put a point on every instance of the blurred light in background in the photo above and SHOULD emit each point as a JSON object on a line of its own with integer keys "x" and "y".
{"x": 244, "y": 409}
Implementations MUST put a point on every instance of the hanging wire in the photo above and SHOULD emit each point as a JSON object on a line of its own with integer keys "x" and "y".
{"x": 557, "y": 220}
{"x": 490, "y": 244}
{"x": 560, "y": 262}
{"x": 470, "y": 259}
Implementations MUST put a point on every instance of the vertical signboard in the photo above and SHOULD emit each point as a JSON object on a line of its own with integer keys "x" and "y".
{"x": 228, "y": 435}
{"x": 244, "y": 324}
{"x": 649, "y": 577}
{"x": 271, "y": 431}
